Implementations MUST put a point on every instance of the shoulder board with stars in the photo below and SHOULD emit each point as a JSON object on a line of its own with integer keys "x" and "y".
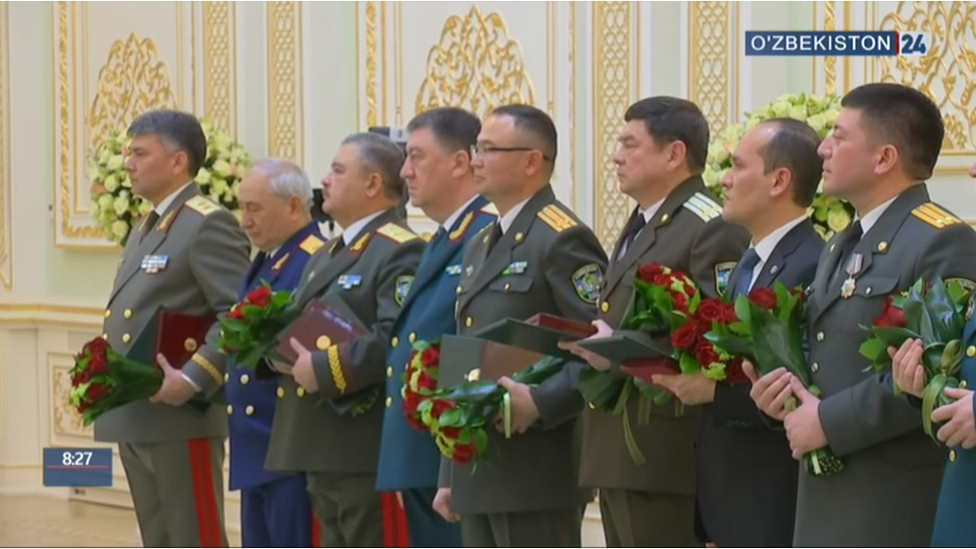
{"x": 456, "y": 234}
{"x": 202, "y": 205}
{"x": 703, "y": 206}
{"x": 933, "y": 215}
{"x": 311, "y": 244}
{"x": 556, "y": 218}
{"x": 396, "y": 233}
{"x": 490, "y": 209}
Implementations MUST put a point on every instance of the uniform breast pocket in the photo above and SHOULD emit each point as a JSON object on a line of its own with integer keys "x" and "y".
{"x": 871, "y": 293}
{"x": 512, "y": 284}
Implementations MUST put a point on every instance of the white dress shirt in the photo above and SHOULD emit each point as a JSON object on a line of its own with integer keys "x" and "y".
{"x": 165, "y": 203}
{"x": 352, "y": 231}
{"x": 873, "y": 216}
{"x": 646, "y": 215}
{"x": 765, "y": 247}
{"x": 506, "y": 221}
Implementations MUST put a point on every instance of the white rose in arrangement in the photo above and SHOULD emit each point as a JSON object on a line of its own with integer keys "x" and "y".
{"x": 829, "y": 215}
{"x": 114, "y": 210}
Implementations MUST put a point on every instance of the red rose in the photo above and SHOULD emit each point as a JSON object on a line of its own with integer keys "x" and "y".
{"x": 685, "y": 337}
{"x": 647, "y": 273}
{"x": 662, "y": 280}
{"x": 729, "y": 313}
{"x": 97, "y": 346}
{"x": 733, "y": 372}
{"x": 80, "y": 377}
{"x": 451, "y": 433}
{"x": 711, "y": 310}
{"x": 438, "y": 407}
{"x": 430, "y": 357}
{"x": 680, "y": 301}
{"x": 764, "y": 298}
{"x": 890, "y": 317}
{"x": 705, "y": 353}
{"x": 96, "y": 392}
{"x": 424, "y": 381}
{"x": 463, "y": 453}
{"x": 97, "y": 364}
{"x": 235, "y": 313}
{"x": 259, "y": 297}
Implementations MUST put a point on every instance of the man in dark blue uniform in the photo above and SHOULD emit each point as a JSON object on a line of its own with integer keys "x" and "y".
{"x": 275, "y": 198}
{"x": 440, "y": 180}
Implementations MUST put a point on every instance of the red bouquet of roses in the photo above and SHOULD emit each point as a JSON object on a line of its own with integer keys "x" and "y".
{"x": 935, "y": 313}
{"x": 458, "y": 417}
{"x": 249, "y": 330}
{"x": 768, "y": 331}
{"x": 102, "y": 380}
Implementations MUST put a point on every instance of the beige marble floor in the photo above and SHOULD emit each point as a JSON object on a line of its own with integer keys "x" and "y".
{"x": 31, "y": 521}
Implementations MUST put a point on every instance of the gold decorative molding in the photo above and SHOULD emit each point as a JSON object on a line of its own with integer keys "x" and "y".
{"x": 65, "y": 420}
{"x": 132, "y": 81}
{"x": 830, "y": 63}
{"x": 475, "y": 65}
{"x": 220, "y": 65}
{"x": 947, "y": 74}
{"x": 371, "y": 49}
{"x": 708, "y": 55}
{"x": 6, "y": 222}
{"x": 614, "y": 89}
{"x": 285, "y": 94}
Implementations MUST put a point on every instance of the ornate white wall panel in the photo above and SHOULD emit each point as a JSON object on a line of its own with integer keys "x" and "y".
{"x": 6, "y": 244}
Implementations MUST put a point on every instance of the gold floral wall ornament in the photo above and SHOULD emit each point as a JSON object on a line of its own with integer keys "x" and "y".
{"x": 947, "y": 74}
{"x": 133, "y": 80}
{"x": 475, "y": 65}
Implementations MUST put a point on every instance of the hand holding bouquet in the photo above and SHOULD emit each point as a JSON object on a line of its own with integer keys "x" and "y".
{"x": 768, "y": 331}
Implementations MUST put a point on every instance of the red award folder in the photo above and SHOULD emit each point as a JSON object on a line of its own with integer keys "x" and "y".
{"x": 321, "y": 325}
{"x": 173, "y": 334}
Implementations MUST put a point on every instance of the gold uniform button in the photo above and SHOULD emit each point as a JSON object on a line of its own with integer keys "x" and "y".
{"x": 394, "y": 341}
{"x": 300, "y": 392}
{"x": 468, "y": 321}
{"x": 458, "y": 290}
{"x": 412, "y": 337}
{"x": 591, "y": 405}
{"x": 127, "y": 313}
{"x": 105, "y": 337}
{"x": 249, "y": 410}
{"x": 605, "y": 307}
{"x": 226, "y": 378}
{"x": 281, "y": 392}
{"x": 244, "y": 379}
{"x": 126, "y": 338}
{"x": 108, "y": 313}
{"x": 814, "y": 367}
{"x": 971, "y": 351}
{"x": 664, "y": 218}
{"x": 820, "y": 336}
{"x": 962, "y": 384}
{"x": 507, "y": 287}
{"x": 389, "y": 371}
{"x": 519, "y": 237}
{"x": 882, "y": 246}
{"x": 389, "y": 401}
{"x": 952, "y": 455}
{"x": 230, "y": 409}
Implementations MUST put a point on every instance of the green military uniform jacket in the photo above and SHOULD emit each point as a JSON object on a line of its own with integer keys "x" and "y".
{"x": 546, "y": 262}
{"x": 886, "y": 495}
{"x": 371, "y": 275}
{"x": 687, "y": 234}
{"x": 191, "y": 261}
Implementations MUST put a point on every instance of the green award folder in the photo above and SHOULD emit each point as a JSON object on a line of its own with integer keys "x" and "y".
{"x": 465, "y": 358}
{"x": 541, "y": 334}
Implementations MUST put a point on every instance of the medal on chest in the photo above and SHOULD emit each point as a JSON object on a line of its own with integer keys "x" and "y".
{"x": 852, "y": 269}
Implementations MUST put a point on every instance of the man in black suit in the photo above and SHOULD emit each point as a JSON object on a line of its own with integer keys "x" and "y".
{"x": 746, "y": 491}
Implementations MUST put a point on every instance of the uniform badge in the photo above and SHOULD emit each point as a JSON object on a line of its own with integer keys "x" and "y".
{"x": 349, "y": 281}
{"x": 588, "y": 280}
{"x": 468, "y": 270}
{"x": 853, "y": 267}
{"x": 971, "y": 307}
{"x": 152, "y": 264}
{"x": 723, "y": 271}
{"x": 453, "y": 270}
{"x": 402, "y": 288}
{"x": 516, "y": 267}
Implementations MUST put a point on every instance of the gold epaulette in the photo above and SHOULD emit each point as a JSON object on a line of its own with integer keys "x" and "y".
{"x": 456, "y": 234}
{"x": 396, "y": 233}
{"x": 935, "y": 216}
{"x": 311, "y": 244}
{"x": 703, "y": 206}
{"x": 202, "y": 205}
{"x": 555, "y": 217}
{"x": 490, "y": 209}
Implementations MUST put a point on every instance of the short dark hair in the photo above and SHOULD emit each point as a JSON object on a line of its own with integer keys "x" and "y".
{"x": 176, "y": 130}
{"x": 903, "y": 117}
{"x": 534, "y": 122}
{"x": 794, "y": 147}
{"x": 670, "y": 119}
{"x": 454, "y": 128}
{"x": 378, "y": 153}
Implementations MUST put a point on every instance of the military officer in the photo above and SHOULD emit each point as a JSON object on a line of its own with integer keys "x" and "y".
{"x": 187, "y": 255}
{"x": 538, "y": 258}
{"x": 953, "y": 527}
{"x": 676, "y": 223}
{"x": 884, "y": 145}
{"x": 441, "y": 183}
{"x": 745, "y": 469}
{"x": 369, "y": 267}
{"x": 275, "y": 196}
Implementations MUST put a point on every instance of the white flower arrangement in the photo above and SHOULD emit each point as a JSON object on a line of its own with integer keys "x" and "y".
{"x": 115, "y": 210}
{"x": 830, "y": 215}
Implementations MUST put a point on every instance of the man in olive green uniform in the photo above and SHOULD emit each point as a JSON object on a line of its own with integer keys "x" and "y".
{"x": 369, "y": 267}
{"x": 679, "y": 224}
{"x": 537, "y": 258}
{"x": 188, "y": 255}
{"x": 885, "y": 144}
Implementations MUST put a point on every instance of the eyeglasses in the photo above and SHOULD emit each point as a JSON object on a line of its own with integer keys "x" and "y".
{"x": 481, "y": 150}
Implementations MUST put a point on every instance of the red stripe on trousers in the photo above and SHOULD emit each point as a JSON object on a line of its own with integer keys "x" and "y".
{"x": 316, "y": 530}
{"x": 203, "y": 493}
{"x": 394, "y": 521}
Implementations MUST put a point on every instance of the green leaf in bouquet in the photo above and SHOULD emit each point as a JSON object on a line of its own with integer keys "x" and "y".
{"x": 233, "y": 324}
{"x": 480, "y": 441}
{"x": 743, "y": 309}
{"x": 450, "y": 418}
{"x": 688, "y": 364}
{"x": 601, "y": 389}
{"x": 775, "y": 346}
{"x": 931, "y": 397}
{"x": 951, "y": 360}
{"x": 874, "y": 350}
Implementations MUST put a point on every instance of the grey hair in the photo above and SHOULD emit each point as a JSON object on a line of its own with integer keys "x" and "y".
{"x": 380, "y": 154}
{"x": 285, "y": 178}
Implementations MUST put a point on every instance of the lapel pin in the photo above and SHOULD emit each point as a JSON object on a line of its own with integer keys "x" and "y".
{"x": 852, "y": 269}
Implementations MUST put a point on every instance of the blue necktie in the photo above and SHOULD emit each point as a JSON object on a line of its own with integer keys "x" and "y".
{"x": 744, "y": 270}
